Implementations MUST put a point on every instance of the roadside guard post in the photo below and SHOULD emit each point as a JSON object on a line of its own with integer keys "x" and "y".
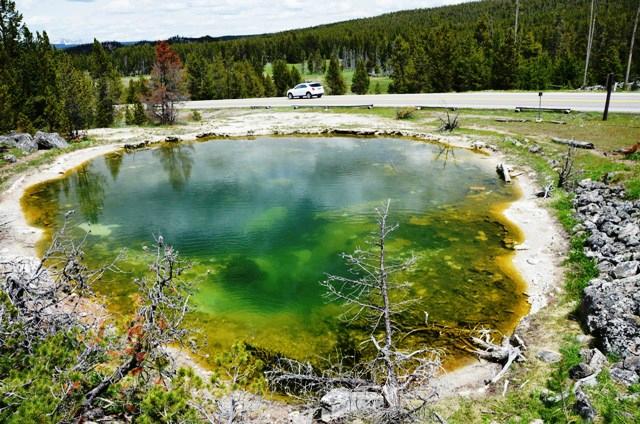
{"x": 608, "y": 102}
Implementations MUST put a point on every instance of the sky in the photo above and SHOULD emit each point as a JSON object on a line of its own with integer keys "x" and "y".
{"x": 80, "y": 21}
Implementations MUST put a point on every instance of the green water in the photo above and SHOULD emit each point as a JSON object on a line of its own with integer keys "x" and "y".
{"x": 263, "y": 220}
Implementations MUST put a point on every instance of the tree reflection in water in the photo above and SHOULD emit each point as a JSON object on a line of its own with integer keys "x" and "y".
{"x": 90, "y": 189}
{"x": 114, "y": 162}
{"x": 177, "y": 162}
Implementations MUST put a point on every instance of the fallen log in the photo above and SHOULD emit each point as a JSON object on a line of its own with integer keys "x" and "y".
{"x": 574, "y": 143}
{"x": 629, "y": 150}
{"x": 566, "y": 111}
{"x": 504, "y": 171}
{"x": 510, "y": 120}
{"x": 505, "y": 353}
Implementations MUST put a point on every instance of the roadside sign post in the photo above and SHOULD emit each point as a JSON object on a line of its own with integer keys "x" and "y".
{"x": 610, "y": 80}
{"x": 540, "y": 107}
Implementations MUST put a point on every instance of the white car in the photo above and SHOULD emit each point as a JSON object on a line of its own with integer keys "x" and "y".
{"x": 306, "y": 90}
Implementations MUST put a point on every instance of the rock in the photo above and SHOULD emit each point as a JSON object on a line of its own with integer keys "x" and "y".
{"x": 624, "y": 377}
{"x": 626, "y": 269}
{"x": 550, "y": 398}
{"x": 632, "y": 363}
{"x": 580, "y": 371}
{"x": 584, "y": 338}
{"x": 6, "y": 143}
{"x": 20, "y": 141}
{"x": 594, "y": 358}
{"x": 611, "y": 310}
{"x": 301, "y": 417}
{"x": 25, "y": 142}
{"x": 9, "y": 158}
{"x": 628, "y": 232}
{"x": 47, "y": 141}
{"x": 583, "y": 406}
{"x": 172, "y": 139}
{"x": 549, "y": 356}
{"x": 340, "y": 403}
{"x": 535, "y": 149}
{"x": 598, "y": 239}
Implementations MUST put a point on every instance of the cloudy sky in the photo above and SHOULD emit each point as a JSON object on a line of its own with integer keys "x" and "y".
{"x": 132, "y": 20}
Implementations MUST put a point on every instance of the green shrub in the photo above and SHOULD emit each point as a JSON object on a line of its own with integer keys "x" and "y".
{"x": 405, "y": 113}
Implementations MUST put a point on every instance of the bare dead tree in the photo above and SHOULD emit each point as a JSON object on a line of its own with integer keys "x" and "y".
{"x": 450, "y": 123}
{"x": 157, "y": 323}
{"x": 45, "y": 294}
{"x": 373, "y": 294}
{"x": 566, "y": 171}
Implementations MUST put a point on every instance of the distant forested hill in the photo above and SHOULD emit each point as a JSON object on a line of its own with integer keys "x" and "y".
{"x": 461, "y": 47}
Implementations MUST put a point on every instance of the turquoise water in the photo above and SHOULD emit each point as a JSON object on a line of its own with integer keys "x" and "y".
{"x": 263, "y": 220}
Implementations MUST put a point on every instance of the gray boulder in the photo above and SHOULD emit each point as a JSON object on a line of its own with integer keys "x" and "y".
{"x": 47, "y": 141}
{"x": 341, "y": 403}
{"x": 9, "y": 158}
{"x": 611, "y": 310}
{"x": 549, "y": 356}
{"x": 626, "y": 269}
{"x": 7, "y": 143}
{"x": 632, "y": 363}
{"x": 21, "y": 141}
{"x": 624, "y": 377}
{"x": 584, "y": 407}
{"x": 580, "y": 371}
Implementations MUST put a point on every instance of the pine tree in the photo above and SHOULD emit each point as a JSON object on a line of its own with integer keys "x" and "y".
{"x": 104, "y": 107}
{"x": 199, "y": 78}
{"x": 107, "y": 85}
{"x": 139, "y": 114}
{"x": 294, "y": 76}
{"x": 77, "y": 98}
{"x": 400, "y": 58}
{"x": 281, "y": 77}
{"x": 419, "y": 70}
{"x": 219, "y": 79}
{"x": 128, "y": 115}
{"x": 269, "y": 86}
{"x": 505, "y": 64}
{"x": 334, "y": 78}
{"x": 132, "y": 92}
{"x": 361, "y": 81}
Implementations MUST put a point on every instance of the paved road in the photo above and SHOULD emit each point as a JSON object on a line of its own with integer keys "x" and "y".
{"x": 586, "y": 102}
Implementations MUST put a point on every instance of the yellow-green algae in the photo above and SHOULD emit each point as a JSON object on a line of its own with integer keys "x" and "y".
{"x": 262, "y": 221}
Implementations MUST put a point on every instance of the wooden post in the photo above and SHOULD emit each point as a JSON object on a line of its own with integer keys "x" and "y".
{"x": 608, "y": 102}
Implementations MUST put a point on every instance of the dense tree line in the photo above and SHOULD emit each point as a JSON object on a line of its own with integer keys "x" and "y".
{"x": 45, "y": 89}
{"x": 462, "y": 47}
{"x": 471, "y": 46}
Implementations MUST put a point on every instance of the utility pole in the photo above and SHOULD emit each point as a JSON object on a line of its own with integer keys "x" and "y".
{"x": 633, "y": 40}
{"x": 517, "y": 16}
{"x": 592, "y": 28}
